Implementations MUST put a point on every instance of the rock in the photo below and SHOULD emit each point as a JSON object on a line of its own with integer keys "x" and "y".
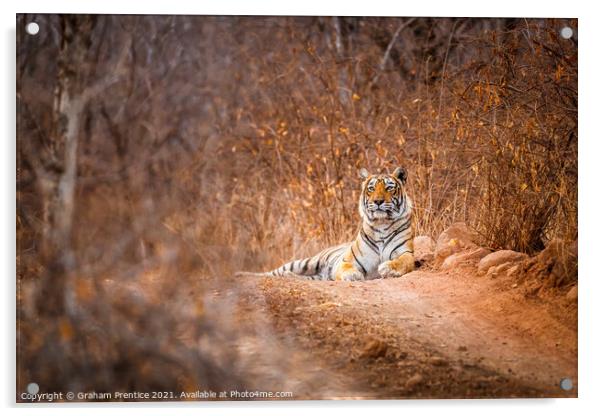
{"x": 414, "y": 381}
{"x": 457, "y": 259}
{"x": 513, "y": 271}
{"x": 424, "y": 249}
{"x": 500, "y": 257}
{"x": 455, "y": 238}
{"x": 572, "y": 294}
{"x": 499, "y": 270}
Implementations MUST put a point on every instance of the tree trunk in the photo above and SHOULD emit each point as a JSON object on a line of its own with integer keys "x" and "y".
{"x": 343, "y": 81}
{"x": 59, "y": 190}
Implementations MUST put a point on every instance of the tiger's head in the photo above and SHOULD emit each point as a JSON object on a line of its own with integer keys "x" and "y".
{"x": 383, "y": 196}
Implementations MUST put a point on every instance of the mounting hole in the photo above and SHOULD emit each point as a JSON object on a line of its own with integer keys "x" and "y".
{"x": 566, "y": 32}
{"x": 33, "y": 388}
{"x": 32, "y": 28}
{"x": 566, "y": 384}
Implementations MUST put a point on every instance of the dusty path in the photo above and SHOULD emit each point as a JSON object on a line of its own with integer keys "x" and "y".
{"x": 428, "y": 334}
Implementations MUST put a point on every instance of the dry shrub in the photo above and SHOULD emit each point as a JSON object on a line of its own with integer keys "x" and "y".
{"x": 487, "y": 127}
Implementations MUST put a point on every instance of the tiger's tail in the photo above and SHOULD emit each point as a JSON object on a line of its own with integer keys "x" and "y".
{"x": 308, "y": 269}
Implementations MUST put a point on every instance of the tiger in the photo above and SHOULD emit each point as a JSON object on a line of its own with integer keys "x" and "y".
{"x": 383, "y": 246}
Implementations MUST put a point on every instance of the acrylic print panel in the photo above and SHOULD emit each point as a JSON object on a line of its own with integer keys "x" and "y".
{"x": 287, "y": 208}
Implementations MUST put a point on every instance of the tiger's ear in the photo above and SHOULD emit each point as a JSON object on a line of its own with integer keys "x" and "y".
{"x": 363, "y": 172}
{"x": 401, "y": 174}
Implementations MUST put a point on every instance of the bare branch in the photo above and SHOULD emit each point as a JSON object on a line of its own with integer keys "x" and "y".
{"x": 385, "y": 57}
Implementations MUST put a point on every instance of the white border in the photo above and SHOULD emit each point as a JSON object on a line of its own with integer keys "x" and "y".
{"x": 590, "y": 289}
{"x": 507, "y": 8}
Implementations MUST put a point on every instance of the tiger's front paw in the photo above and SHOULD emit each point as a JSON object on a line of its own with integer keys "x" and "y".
{"x": 390, "y": 269}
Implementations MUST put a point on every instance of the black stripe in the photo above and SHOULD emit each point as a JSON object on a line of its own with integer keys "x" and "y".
{"x": 328, "y": 256}
{"x": 400, "y": 254}
{"x": 358, "y": 248}
{"x": 392, "y": 224}
{"x": 386, "y": 237}
{"x": 370, "y": 239}
{"x": 369, "y": 242}
{"x": 397, "y": 246}
{"x": 403, "y": 205}
{"x": 372, "y": 228}
{"x": 358, "y": 262}
{"x": 396, "y": 232}
{"x": 304, "y": 267}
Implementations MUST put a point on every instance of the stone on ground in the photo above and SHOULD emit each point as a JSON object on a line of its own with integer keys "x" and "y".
{"x": 498, "y": 258}
{"x": 457, "y": 237}
{"x": 458, "y": 259}
{"x": 501, "y": 269}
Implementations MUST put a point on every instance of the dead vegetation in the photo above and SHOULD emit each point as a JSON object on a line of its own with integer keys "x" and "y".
{"x": 158, "y": 153}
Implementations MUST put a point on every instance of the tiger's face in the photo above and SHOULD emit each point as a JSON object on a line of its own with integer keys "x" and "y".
{"x": 383, "y": 196}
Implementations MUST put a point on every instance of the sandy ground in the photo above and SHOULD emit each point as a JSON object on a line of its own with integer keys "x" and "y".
{"x": 426, "y": 335}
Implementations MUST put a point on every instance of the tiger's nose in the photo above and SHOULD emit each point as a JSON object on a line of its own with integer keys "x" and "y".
{"x": 378, "y": 201}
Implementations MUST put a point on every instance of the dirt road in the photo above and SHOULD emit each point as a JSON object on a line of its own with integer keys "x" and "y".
{"x": 426, "y": 335}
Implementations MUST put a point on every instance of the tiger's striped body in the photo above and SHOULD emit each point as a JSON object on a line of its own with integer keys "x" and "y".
{"x": 383, "y": 246}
